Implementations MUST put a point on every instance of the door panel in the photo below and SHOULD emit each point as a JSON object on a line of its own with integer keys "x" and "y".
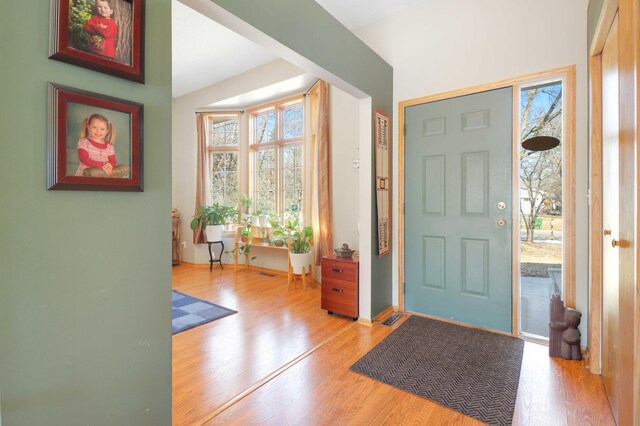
{"x": 457, "y": 241}
{"x": 610, "y": 217}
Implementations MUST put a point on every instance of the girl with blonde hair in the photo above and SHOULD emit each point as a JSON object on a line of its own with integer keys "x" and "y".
{"x": 95, "y": 149}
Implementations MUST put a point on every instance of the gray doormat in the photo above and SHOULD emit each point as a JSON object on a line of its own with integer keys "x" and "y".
{"x": 471, "y": 371}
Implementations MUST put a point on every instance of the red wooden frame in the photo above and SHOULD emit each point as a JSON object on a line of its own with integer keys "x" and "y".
{"x": 57, "y": 176}
{"x": 61, "y": 50}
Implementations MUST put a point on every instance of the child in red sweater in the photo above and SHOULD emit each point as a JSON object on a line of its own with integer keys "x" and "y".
{"x": 102, "y": 30}
{"x": 95, "y": 149}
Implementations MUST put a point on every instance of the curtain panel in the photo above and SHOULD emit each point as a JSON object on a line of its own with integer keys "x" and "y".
{"x": 199, "y": 235}
{"x": 322, "y": 141}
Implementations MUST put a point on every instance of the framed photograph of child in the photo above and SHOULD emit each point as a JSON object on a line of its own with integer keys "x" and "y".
{"x": 94, "y": 141}
{"x": 102, "y": 35}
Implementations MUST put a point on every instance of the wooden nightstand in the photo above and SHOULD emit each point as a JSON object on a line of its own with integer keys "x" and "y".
{"x": 340, "y": 286}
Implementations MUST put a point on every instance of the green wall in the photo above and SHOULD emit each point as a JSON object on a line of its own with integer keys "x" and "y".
{"x": 593, "y": 13}
{"x": 85, "y": 276}
{"x": 305, "y": 27}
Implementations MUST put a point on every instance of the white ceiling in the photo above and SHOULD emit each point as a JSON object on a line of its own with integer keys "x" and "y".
{"x": 204, "y": 52}
{"x": 358, "y": 13}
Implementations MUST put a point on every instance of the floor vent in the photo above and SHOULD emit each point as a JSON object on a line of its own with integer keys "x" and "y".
{"x": 266, "y": 274}
{"x": 391, "y": 319}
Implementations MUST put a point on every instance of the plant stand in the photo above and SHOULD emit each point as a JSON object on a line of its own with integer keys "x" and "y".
{"x": 211, "y": 259}
{"x": 292, "y": 276}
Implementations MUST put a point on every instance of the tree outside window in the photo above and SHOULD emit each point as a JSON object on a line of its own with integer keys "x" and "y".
{"x": 277, "y": 150}
{"x": 222, "y": 140}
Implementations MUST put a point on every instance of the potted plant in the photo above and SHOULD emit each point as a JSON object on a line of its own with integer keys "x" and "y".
{"x": 245, "y": 234}
{"x": 300, "y": 240}
{"x": 261, "y": 217}
{"x": 245, "y": 203}
{"x": 213, "y": 218}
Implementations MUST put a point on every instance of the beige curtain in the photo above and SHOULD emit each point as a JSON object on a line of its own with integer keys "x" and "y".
{"x": 322, "y": 141}
{"x": 199, "y": 235}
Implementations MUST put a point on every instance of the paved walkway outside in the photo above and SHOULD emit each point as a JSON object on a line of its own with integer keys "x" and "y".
{"x": 535, "y": 293}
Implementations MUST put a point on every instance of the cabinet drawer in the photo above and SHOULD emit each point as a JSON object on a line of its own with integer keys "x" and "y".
{"x": 340, "y": 296}
{"x": 347, "y": 271}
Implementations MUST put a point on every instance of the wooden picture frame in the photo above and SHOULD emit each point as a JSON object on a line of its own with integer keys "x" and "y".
{"x": 94, "y": 141}
{"x": 383, "y": 181}
{"x": 102, "y": 35}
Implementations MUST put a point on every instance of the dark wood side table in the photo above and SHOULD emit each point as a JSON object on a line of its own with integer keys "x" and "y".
{"x": 211, "y": 259}
{"x": 340, "y": 285}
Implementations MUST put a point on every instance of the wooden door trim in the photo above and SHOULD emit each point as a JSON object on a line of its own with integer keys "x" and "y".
{"x": 595, "y": 212}
{"x": 607, "y": 16}
{"x": 628, "y": 68}
{"x": 567, "y": 74}
{"x": 629, "y": 93}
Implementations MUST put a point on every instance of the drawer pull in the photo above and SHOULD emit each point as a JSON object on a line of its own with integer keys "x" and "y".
{"x": 339, "y": 290}
{"x": 337, "y": 270}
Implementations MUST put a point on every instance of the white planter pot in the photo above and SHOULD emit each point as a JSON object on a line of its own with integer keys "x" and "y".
{"x": 299, "y": 260}
{"x": 214, "y": 232}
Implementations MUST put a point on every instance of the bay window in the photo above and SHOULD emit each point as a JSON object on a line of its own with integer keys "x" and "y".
{"x": 276, "y": 146}
{"x": 223, "y": 147}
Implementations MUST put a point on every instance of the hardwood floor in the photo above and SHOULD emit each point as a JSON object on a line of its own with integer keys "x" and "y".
{"x": 283, "y": 360}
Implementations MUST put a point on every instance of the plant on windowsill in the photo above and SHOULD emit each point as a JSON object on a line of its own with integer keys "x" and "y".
{"x": 260, "y": 217}
{"x": 213, "y": 218}
{"x": 245, "y": 203}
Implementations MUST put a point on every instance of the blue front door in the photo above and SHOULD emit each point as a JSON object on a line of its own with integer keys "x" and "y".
{"x": 458, "y": 203}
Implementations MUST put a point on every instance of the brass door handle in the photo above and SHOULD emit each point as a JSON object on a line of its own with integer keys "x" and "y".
{"x": 607, "y": 232}
{"x": 615, "y": 243}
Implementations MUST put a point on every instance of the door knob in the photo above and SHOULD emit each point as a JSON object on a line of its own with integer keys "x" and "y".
{"x": 615, "y": 243}
{"x": 607, "y": 232}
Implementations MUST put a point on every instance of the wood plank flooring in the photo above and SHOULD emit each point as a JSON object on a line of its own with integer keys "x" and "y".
{"x": 218, "y": 362}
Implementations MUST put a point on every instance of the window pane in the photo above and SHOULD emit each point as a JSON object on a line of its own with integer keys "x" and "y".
{"x": 265, "y": 127}
{"x": 292, "y": 179}
{"x": 541, "y": 217}
{"x": 292, "y": 122}
{"x": 264, "y": 174}
{"x": 223, "y": 172}
{"x": 222, "y": 131}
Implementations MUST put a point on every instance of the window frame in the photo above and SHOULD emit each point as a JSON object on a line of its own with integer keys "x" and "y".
{"x": 223, "y": 149}
{"x": 279, "y": 144}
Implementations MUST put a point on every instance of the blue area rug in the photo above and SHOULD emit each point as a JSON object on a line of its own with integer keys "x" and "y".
{"x": 188, "y": 312}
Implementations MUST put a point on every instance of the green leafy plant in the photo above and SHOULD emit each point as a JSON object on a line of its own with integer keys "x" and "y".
{"x": 274, "y": 220}
{"x": 212, "y": 215}
{"x": 245, "y": 202}
{"x": 300, "y": 238}
{"x": 79, "y": 14}
{"x": 242, "y": 250}
{"x": 244, "y": 246}
{"x": 245, "y": 234}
